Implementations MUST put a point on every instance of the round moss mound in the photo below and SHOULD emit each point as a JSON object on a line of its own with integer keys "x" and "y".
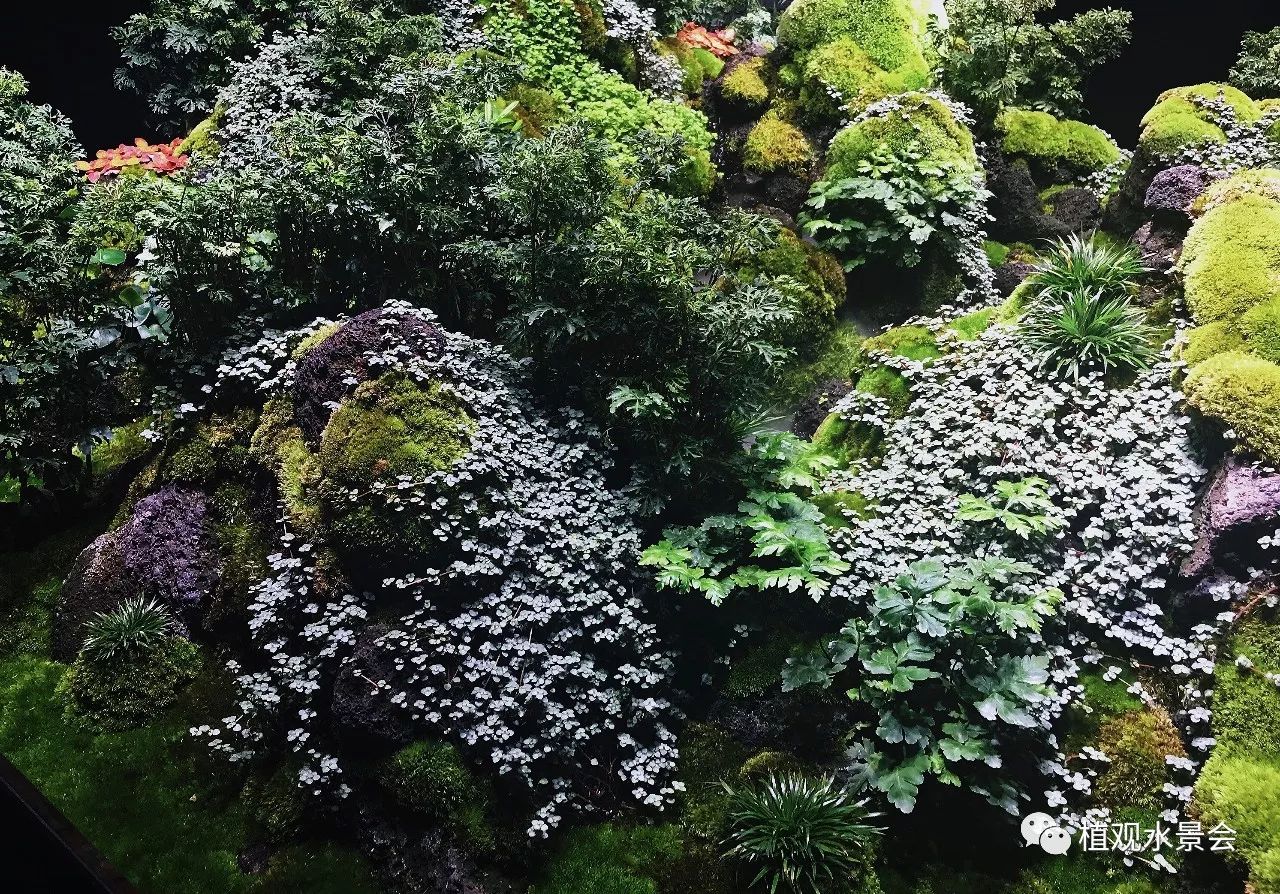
{"x": 843, "y": 69}
{"x": 1244, "y": 392}
{"x": 1038, "y": 136}
{"x": 887, "y": 30}
{"x": 1177, "y": 120}
{"x": 391, "y": 429}
{"x": 773, "y": 145}
{"x": 1231, "y": 260}
{"x": 745, "y": 85}
{"x": 918, "y": 120}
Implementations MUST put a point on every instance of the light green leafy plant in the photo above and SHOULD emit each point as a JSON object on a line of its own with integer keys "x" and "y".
{"x": 1022, "y": 507}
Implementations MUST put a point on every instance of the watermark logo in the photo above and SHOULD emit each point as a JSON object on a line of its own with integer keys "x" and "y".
{"x": 1042, "y": 830}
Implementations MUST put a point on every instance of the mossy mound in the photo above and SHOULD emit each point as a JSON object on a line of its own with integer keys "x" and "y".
{"x": 1243, "y": 793}
{"x": 843, "y": 68}
{"x": 888, "y": 31}
{"x": 1231, "y": 260}
{"x": 773, "y": 145}
{"x": 430, "y": 778}
{"x": 1244, "y": 392}
{"x": 128, "y": 690}
{"x": 1137, "y": 743}
{"x": 390, "y": 428}
{"x": 919, "y": 121}
{"x": 1042, "y": 139}
{"x": 744, "y": 85}
{"x": 1177, "y": 120}
{"x": 612, "y": 859}
{"x": 822, "y": 279}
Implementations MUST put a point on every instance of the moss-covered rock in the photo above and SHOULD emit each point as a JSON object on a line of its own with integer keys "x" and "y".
{"x": 1231, "y": 259}
{"x": 1137, "y": 744}
{"x": 919, "y": 121}
{"x": 389, "y": 428}
{"x": 708, "y": 756}
{"x": 1244, "y": 392}
{"x": 1074, "y": 146}
{"x": 612, "y": 859}
{"x": 744, "y": 86}
{"x": 1177, "y": 121}
{"x": 1242, "y": 792}
{"x": 773, "y": 145}
{"x": 430, "y": 778}
{"x": 128, "y": 689}
{"x": 840, "y": 75}
{"x": 888, "y": 31}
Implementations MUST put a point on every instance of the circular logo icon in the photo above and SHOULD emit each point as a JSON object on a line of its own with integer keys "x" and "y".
{"x": 1056, "y": 841}
{"x": 1034, "y": 826}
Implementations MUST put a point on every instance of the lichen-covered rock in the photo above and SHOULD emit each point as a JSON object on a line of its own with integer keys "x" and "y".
{"x": 332, "y": 367}
{"x": 165, "y": 551}
{"x": 1174, "y": 189}
{"x": 1242, "y": 504}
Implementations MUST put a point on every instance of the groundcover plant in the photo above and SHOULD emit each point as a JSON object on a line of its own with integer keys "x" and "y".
{"x": 569, "y": 447}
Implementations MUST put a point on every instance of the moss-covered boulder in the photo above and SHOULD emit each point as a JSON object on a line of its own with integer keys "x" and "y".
{"x": 1244, "y": 392}
{"x": 743, "y": 87}
{"x": 1057, "y": 149}
{"x": 392, "y": 430}
{"x": 841, "y": 75}
{"x": 774, "y": 146}
{"x": 888, "y": 31}
{"x": 918, "y": 121}
{"x": 1179, "y": 119}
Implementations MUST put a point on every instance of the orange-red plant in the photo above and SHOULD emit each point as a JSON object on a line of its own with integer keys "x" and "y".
{"x": 162, "y": 158}
{"x": 718, "y": 42}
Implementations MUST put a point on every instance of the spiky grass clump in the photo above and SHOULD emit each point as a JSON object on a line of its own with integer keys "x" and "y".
{"x": 138, "y": 625}
{"x": 1081, "y": 265}
{"x": 1089, "y": 331}
{"x": 802, "y": 832}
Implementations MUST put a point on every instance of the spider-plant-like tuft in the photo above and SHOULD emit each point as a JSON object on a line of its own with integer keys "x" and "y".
{"x": 802, "y": 832}
{"x": 1089, "y": 331}
{"x": 137, "y": 625}
{"x": 1086, "y": 265}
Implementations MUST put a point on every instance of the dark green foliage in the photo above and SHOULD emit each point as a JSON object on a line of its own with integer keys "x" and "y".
{"x": 134, "y": 685}
{"x": 1257, "y": 70}
{"x": 430, "y": 778}
{"x": 1086, "y": 265}
{"x": 612, "y": 859}
{"x": 944, "y": 663}
{"x": 996, "y": 53}
{"x": 138, "y": 625}
{"x": 800, "y": 834}
{"x": 759, "y": 670}
{"x": 708, "y": 757}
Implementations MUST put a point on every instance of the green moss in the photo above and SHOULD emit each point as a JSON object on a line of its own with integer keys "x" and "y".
{"x": 1243, "y": 792}
{"x": 970, "y": 326}
{"x": 200, "y": 140}
{"x": 1040, "y": 137}
{"x": 1244, "y": 392}
{"x": 822, "y": 279}
{"x": 218, "y": 447}
{"x": 997, "y": 252}
{"x": 759, "y": 670}
{"x": 277, "y": 444}
{"x": 708, "y": 756}
{"x": 1137, "y": 744}
{"x": 770, "y": 762}
{"x": 1260, "y": 328}
{"x": 847, "y": 442}
{"x": 130, "y": 689}
{"x": 430, "y": 778}
{"x": 711, "y": 64}
{"x": 1176, "y": 121}
{"x": 921, "y": 121}
{"x": 1246, "y": 704}
{"x": 277, "y": 804}
{"x": 913, "y": 342}
{"x": 843, "y": 66}
{"x": 888, "y": 31}
{"x": 745, "y": 85}
{"x": 612, "y": 859}
{"x": 1231, "y": 259}
{"x": 308, "y": 344}
{"x": 1212, "y": 338}
{"x": 774, "y": 145}
{"x": 125, "y": 446}
{"x": 838, "y": 507}
{"x": 1079, "y": 875}
{"x": 1263, "y": 182}
{"x": 147, "y": 798}
{"x": 389, "y": 427}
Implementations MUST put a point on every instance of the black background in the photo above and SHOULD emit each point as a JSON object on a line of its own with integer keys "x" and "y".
{"x": 68, "y": 56}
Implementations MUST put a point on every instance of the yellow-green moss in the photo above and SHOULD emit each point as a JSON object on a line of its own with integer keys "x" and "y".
{"x": 218, "y": 447}
{"x": 278, "y": 445}
{"x": 200, "y": 140}
{"x": 1080, "y": 147}
{"x": 889, "y": 31}
{"x": 1212, "y": 338}
{"x": 774, "y": 145}
{"x": 1231, "y": 259}
{"x": 745, "y": 85}
{"x": 309, "y": 343}
{"x": 1243, "y": 793}
{"x": 1176, "y": 121}
{"x": 821, "y": 277}
{"x": 1263, "y": 182}
{"x": 389, "y": 427}
{"x": 1244, "y": 392}
{"x": 843, "y": 66}
{"x": 708, "y": 756}
{"x": 612, "y": 859}
{"x": 1136, "y": 743}
{"x": 921, "y": 121}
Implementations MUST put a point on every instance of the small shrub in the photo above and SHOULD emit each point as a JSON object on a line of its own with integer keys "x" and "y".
{"x": 1257, "y": 70}
{"x": 139, "y": 625}
{"x": 1089, "y": 331}
{"x": 803, "y": 834}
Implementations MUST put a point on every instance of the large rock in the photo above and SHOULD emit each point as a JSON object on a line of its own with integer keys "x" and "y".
{"x": 1015, "y": 203}
{"x": 1241, "y": 505}
{"x": 363, "y": 715}
{"x": 329, "y": 371}
{"x": 815, "y": 408}
{"x": 1174, "y": 189}
{"x": 166, "y": 552}
{"x": 1077, "y": 209}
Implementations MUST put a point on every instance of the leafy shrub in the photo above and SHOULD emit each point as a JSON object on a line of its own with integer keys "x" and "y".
{"x": 1020, "y": 507}
{"x": 1086, "y": 265}
{"x": 138, "y": 625}
{"x": 1088, "y": 331}
{"x": 994, "y": 54}
{"x": 1257, "y": 70}
{"x": 950, "y": 664}
{"x": 805, "y": 834}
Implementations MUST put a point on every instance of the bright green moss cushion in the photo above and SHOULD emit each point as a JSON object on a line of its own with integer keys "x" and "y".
{"x": 1040, "y": 136}
{"x": 1177, "y": 121}
{"x": 889, "y": 31}
{"x": 921, "y": 120}
{"x": 1244, "y": 392}
{"x": 1231, "y": 260}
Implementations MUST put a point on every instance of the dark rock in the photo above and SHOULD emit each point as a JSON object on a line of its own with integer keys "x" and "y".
{"x": 786, "y": 191}
{"x": 1010, "y": 275}
{"x": 413, "y": 860}
{"x": 1015, "y": 203}
{"x": 1174, "y": 189}
{"x": 363, "y": 716}
{"x": 254, "y": 858}
{"x": 1241, "y": 505}
{"x": 1077, "y": 209}
{"x": 1126, "y": 209}
{"x": 164, "y": 552}
{"x": 330, "y": 370}
{"x": 1160, "y": 245}
{"x": 817, "y": 406}
{"x": 802, "y": 723}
